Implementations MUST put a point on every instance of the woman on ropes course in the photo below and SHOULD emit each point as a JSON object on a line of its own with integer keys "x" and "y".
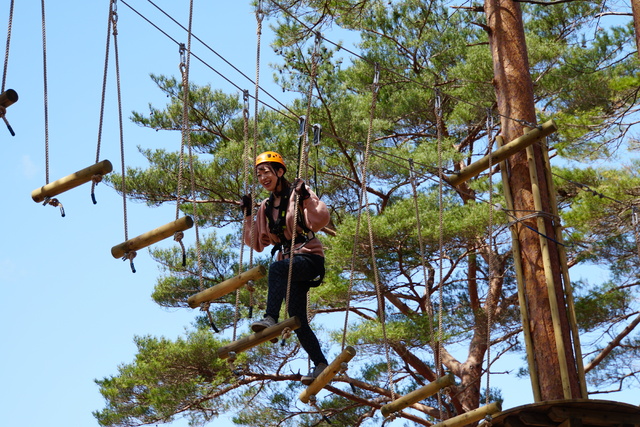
{"x": 273, "y": 224}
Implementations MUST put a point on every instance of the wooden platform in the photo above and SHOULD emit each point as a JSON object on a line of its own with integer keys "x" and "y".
{"x": 570, "y": 413}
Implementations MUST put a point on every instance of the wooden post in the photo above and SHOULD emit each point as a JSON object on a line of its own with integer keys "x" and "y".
{"x": 71, "y": 181}
{"x": 258, "y": 337}
{"x": 8, "y": 97}
{"x": 571, "y": 310}
{"x": 151, "y": 237}
{"x": 548, "y": 272}
{"x": 522, "y": 298}
{"x": 471, "y": 416}
{"x": 226, "y": 286}
{"x": 328, "y": 374}
{"x": 417, "y": 395}
{"x": 502, "y": 153}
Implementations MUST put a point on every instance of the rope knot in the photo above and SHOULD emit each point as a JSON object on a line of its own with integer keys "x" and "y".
{"x": 97, "y": 178}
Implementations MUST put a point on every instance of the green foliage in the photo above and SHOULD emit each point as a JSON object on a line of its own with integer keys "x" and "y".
{"x": 419, "y": 244}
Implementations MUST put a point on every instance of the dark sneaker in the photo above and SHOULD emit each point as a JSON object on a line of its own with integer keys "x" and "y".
{"x": 263, "y": 324}
{"x": 311, "y": 376}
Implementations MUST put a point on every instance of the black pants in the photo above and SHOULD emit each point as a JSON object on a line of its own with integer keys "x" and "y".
{"x": 305, "y": 268}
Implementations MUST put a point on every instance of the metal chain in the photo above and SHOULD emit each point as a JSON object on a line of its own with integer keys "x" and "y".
{"x": 46, "y": 94}
{"x": 6, "y": 53}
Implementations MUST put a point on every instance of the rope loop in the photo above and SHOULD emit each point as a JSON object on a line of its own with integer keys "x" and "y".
{"x": 55, "y": 203}
{"x": 130, "y": 256}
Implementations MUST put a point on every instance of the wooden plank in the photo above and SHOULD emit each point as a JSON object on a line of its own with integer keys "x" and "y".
{"x": 593, "y": 416}
{"x": 258, "y": 337}
{"x": 8, "y": 97}
{"x": 470, "y": 416}
{"x": 151, "y": 237}
{"x": 502, "y": 153}
{"x": 226, "y": 286}
{"x": 71, "y": 181}
{"x": 417, "y": 395}
{"x": 327, "y": 375}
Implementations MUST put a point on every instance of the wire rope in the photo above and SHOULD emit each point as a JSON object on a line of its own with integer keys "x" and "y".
{"x": 46, "y": 93}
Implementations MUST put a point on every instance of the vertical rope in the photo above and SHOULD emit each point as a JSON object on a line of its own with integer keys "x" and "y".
{"x": 104, "y": 86}
{"x": 46, "y": 94}
{"x": 246, "y": 157}
{"x": 6, "y": 52}
{"x": 185, "y": 100}
{"x": 302, "y": 161}
{"x": 491, "y": 267}
{"x": 114, "y": 17}
{"x": 438, "y": 113}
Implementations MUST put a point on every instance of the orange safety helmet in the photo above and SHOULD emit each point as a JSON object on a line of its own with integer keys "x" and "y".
{"x": 270, "y": 156}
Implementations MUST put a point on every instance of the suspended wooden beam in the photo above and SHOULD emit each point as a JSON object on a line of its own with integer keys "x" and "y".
{"x": 328, "y": 374}
{"x": 471, "y": 416}
{"x": 417, "y": 395}
{"x": 502, "y": 153}
{"x": 71, "y": 181}
{"x": 258, "y": 337}
{"x": 226, "y": 286}
{"x": 8, "y": 97}
{"x": 151, "y": 237}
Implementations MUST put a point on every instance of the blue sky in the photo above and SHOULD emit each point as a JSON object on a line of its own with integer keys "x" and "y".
{"x": 69, "y": 310}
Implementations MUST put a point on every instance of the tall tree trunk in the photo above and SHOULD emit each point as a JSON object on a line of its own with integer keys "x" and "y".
{"x": 635, "y": 10}
{"x": 514, "y": 92}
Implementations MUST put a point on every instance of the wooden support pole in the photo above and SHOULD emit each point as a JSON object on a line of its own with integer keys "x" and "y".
{"x": 417, "y": 395}
{"x": 502, "y": 153}
{"x": 548, "y": 273}
{"x": 151, "y": 237}
{"x": 328, "y": 374}
{"x": 71, "y": 181}
{"x": 568, "y": 288}
{"x": 258, "y": 338}
{"x": 471, "y": 416}
{"x": 226, "y": 286}
{"x": 8, "y": 97}
{"x": 522, "y": 298}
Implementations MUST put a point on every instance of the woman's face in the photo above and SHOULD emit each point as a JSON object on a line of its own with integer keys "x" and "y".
{"x": 267, "y": 177}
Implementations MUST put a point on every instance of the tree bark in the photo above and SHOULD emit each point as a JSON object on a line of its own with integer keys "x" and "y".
{"x": 635, "y": 11}
{"x": 514, "y": 92}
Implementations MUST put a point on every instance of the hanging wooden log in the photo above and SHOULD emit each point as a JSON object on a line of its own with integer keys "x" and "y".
{"x": 417, "y": 395}
{"x": 151, "y": 237}
{"x": 258, "y": 337}
{"x": 226, "y": 286}
{"x": 71, "y": 181}
{"x": 8, "y": 97}
{"x": 328, "y": 374}
{"x": 471, "y": 416}
{"x": 502, "y": 153}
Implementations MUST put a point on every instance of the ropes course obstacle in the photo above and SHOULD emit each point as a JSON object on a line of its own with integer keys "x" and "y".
{"x": 151, "y": 237}
{"x": 93, "y": 172}
{"x": 418, "y": 395}
{"x": 226, "y": 286}
{"x": 338, "y": 365}
{"x": 257, "y": 338}
{"x": 471, "y": 416}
